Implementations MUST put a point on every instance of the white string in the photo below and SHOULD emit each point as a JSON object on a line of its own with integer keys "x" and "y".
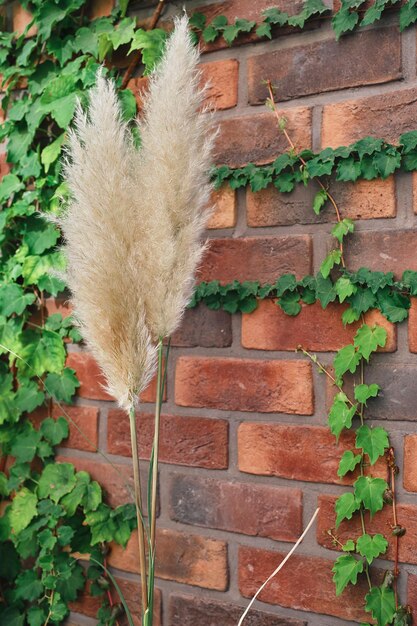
{"x": 280, "y": 566}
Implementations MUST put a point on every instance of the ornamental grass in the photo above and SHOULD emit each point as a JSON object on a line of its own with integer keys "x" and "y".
{"x": 132, "y": 237}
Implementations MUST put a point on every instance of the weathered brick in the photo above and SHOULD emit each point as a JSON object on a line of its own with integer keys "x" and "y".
{"x": 256, "y": 258}
{"x": 115, "y": 481}
{"x": 245, "y": 385}
{"x": 380, "y": 523}
{"x": 185, "y": 558}
{"x": 57, "y": 305}
{"x": 100, "y": 8}
{"x": 274, "y": 512}
{"x": 256, "y": 138}
{"x": 190, "y": 611}
{"x": 305, "y": 584}
{"x": 385, "y": 251}
{"x": 83, "y": 418}
{"x": 386, "y": 115}
{"x": 297, "y": 452}
{"x": 4, "y": 166}
{"x": 314, "y": 328}
{"x": 92, "y": 381}
{"x": 412, "y": 326}
{"x": 412, "y": 592}
{"x": 221, "y": 78}
{"x": 363, "y": 199}
{"x": 410, "y": 467}
{"x": 21, "y": 19}
{"x": 193, "y": 441}
{"x": 298, "y": 71}
{"x": 204, "y": 327}
{"x": 89, "y": 605}
{"x": 396, "y": 399}
{"x": 225, "y": 208}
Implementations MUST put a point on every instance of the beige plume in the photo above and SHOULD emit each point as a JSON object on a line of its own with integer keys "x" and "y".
{"x": 132, "y": 229}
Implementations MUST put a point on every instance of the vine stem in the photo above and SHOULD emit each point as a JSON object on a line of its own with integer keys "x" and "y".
{"x": 136, "y": 57}
{"x": 316, "y": 180}
{"x": 392, "y": 471}
{"x": 139, "y": 510}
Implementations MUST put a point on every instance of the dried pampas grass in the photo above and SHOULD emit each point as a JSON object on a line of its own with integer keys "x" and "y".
{"x": 132, "y": 229}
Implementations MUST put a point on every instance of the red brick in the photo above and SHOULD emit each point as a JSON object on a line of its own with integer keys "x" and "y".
{"x": 386, "y": 115}
{"x": 380, "y": 523}
{"x": 182, "y": 557}
{"x": 314, "y": 328}
{"x": 92, "y": 381}
{"x": 82, "y": 418}
{"x": 410, "y": 467}
{"x": 204, "y": 327}
{"x": 297, "y": 452}
{"x": 363, "y": 199}
{"x": 100, "y": 8}
{"x": 192, "y": 441}
{"x": 89, "y": 605}
{"x": 256, "y": 258}
{"x": 222, "y": 80}
{"x": 116, "y": 481}
{"x": 57, "y": 305}
{"x": 21, "y": 19}
{"x": 412, "y": 592}
{"x": 274, "y": 512}
{"x": 298, "y": 71}
{"x": 245, "y": 385}
{"x": 385, "y": 251}
{"x": 257, "y": 139}
{"x": 4, "y": 166}
{"x": 225, "y": 208}
{"x": 305, "y": 584}
{"x": 192, "y": 611}
{"x": 412, "y": 326}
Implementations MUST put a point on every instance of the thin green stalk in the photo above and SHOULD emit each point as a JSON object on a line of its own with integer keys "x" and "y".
{"x": 155, "y": 449}
{"x": 139, "y": 512}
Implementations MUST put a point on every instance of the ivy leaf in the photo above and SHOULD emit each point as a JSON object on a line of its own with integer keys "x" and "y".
{"x": 319, "y": 201}
{"x": 9, "y": 185}
{"x": 25, "y": 444}
{"x": 325, "y": 290}
{"x": 348, "y": 462}
{"x": 342, "y": 228}
{"x": 152, "y": 44}
{"x": 332, "y": 259}
{"x": 14, "y": 300}
{"x": 22, "y": 510}
{"x": 346, "y": 570}
{"x": 345, "y": 507}
{"x": 387, "y": 161}
{"x": 28, "y": 396}
{"x": 41, "y": 353}
{"x": 210, "y": 34}
{"x": 65, "y": 534}
{"x": 40, "y": 235}
{"x": 362, "y": 300}
{"x": 348, "y": 169}
{"x": 344, "y": 288}
{"x": 230, "y": 33}
{"x": 36, "y": 616}
{"x": 343, "y": 21}
{"x": 408, "y": 14}
{"x": 341, "y": 415}
{"x": 69, "y": 584}
{"x": 264, "y": 30}
{"x": 290, "y": 303}
{"x": 58, "y": 608}
{"x": 86, "y": 41}
{"x": 371, "y": 546}
{"x": 101, "y": 525}
{"x": 93, "y": 497}
{"x": 72, "y": 500}
{"x": 364, "y": 392}
{"x": 393, "y": 305}
{"x": 346, "y": 360}
{"x": 349, "y": 546}
{"x": 56, "y": 481}
{"x": 28, "y": 586}
{"x": 62, "y": 386}
{"x": 54, "y": 430}
{"x": 370, "y": 492}
{"x": 350, "y": 316}
{"x": 368, "y": 339}
{"x": 373, "y": 441}
{"x": 51, "y": 152}
{"x": 380, "y": 601}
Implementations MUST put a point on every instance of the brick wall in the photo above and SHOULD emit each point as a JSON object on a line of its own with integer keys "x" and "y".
{"x": 246, "y": 454}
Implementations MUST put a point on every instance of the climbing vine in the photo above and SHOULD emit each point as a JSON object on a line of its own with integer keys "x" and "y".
{"x": 50, "y": 511}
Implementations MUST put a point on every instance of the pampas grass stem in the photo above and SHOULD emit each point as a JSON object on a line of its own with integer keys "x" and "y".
{"x": 155, "y": 449}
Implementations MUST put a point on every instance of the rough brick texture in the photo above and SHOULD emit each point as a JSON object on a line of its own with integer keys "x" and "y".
{"x": 268, "y": 511}
{"x": 244, "y": 385}
{"x": 225, "y": 209}
{"x": 298, "y": 71}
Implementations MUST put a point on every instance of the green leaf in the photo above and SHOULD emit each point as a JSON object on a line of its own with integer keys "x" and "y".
{"x": 364, "y": 392}
{"x": 341, "y": 414}
{"x": 393, "y": 305}
{"x": 62, "y": 386}
{"x": 264, "y": 30}
{"x": 371, "y": 546}
{"x": 56, "y": 481}
{"x": 344, "y": 288}
{"x": 9, "y": 185}
{"x": 362, "y": 300}
{"x": 25, "y": 444}
{"x": 54, "y": 430}
{"x": 23, "y": 510}
{"x": 408, "y": 14}
{"x": 152, "y": 44}
{"x": 370, "y": 492}
{"x": 128, "y": 105}
{"x": 93, "y": 497}
{"x": 28, "y": 586}
{"x": 346, "y": 360}
{"x": 41, "y": 353}
{"x": 325, "y": 290}
{"x": 51, "y": 152}
{"x": 40, "y": 235}
{"x": 349, "y": 546}
{"x": 368, "y": 339}
{"x": 86, "y": 41}
{"x": 373, "y": 441}
{"x": 14, "y": 300}
{"x": 332, "y": 259}
{"x": 65, "y": 534}
{"x": 348, "y": 462}
{"x": 348, "y": 169}
{"x": 346, "y": 570}
{"x": 36, "y": 616}
{"x": 101, "y": 525}
{"x": 387, "y": 161}
{"x": 319, "y": 201}
{"x": 290, "y": 303}
{"x": 343, "y": 21}
{"x": 345, "y": 507}
{"x": 380, "y": 601}
{"x": 341, "y": 229}
{"x": 210, "y": 34}
{"x": 72, "y": 500}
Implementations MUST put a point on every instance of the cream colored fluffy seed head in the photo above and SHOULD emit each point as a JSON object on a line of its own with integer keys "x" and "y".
{"x": 132, "y": 230}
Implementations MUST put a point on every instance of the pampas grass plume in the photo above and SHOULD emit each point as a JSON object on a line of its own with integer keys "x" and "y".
{"x": 132, "y": 228}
